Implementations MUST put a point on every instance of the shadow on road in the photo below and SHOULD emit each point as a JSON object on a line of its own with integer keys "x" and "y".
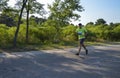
{"x": 100, "y": 63}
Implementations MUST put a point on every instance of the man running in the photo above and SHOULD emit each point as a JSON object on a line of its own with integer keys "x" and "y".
{"x": 82, "y": 32}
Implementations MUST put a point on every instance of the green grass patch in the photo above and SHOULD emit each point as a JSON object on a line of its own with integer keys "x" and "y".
{"x": 50, "y": 46}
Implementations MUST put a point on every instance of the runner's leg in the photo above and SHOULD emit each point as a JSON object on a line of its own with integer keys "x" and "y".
{"x": 80, "y": 42}
{"x": 84, "y": 46}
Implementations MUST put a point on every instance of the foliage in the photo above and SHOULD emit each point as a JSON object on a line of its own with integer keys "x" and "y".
{"x": 103, "y": 32}
{"x": 5, "y": 19}
{"x": 100, "y": 21}
{"x": 3, "y": 4}
{"x": 42, "y": 34}
{"x": 8, "y": 15}
{"x": 4, "y": 39}
{"x": 115, "y": 33}
{"x": 55, "y": 28}
{"x": 65, "y": 10}
{"x": 68, "y": 33}
{"x": 33, "y": 5}
{"x": 36, "y": 20}
{"x": 46, "y": 34}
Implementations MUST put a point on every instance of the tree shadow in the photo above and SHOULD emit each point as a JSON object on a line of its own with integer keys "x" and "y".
{"x": 98, "y": 64}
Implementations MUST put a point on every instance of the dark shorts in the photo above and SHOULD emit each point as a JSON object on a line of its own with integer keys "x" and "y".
{"x": 82, "y": 40}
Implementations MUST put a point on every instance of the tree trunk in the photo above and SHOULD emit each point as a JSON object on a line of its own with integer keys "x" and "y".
{"x": 27, "y": 26}
{"x": 18, "y": 25}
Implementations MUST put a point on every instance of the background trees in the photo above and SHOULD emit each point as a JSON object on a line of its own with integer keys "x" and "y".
{"x": 31, "y": 7}
{"x": 102, "y": 31}
{"x": 3, "y": 4}
{"x": 55, "y": 28}
{"x": 18, "y": 25}
{"x": 100, "y": 21}
{"x": 62, "y": 11}
{"x": 7, "y": 14}
{"x": 9, "y": 17}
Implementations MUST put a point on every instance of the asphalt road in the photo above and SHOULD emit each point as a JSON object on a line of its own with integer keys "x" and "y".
{"x": 101, "y": 62}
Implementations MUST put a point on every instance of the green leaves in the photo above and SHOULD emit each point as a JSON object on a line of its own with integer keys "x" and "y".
{"x": 64, "y": 10}
{"x": 104, "y": 32}
{"x": 3, "y": 4}
{"x": 33, "y": 5}
{"x": 100, "y": 21}
{"x": 68, "y": 33}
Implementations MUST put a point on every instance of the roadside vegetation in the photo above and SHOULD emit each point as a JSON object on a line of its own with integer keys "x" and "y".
{"x": 35, "y": 33}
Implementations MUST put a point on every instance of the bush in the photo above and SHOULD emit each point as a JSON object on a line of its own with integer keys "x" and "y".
{"x": 4, "y": 35}
{"x": 68, "y": 33}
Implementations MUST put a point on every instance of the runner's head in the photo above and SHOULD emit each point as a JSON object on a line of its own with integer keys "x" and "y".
{"x": 80, "y": 25}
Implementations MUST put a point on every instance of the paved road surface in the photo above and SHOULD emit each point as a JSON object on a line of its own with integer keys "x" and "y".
{"x": 102, "y": 62}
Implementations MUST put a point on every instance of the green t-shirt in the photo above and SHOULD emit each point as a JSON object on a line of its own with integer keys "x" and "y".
{"x": 81, "y": 32}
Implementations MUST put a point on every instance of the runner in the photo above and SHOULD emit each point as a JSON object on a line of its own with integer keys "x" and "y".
{"x": 82, "y": 33}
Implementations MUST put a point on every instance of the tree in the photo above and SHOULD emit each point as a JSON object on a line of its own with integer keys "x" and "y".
{"x": 32, "y": 7}
{"x": 3, "y": 4}
{"x": 89, "y": 24}
{"x": 62, "y": 11}
{"x": 37, "y": 20}
{"x": 8, "y": 16}
{"x": 100, "y": 21}
{"x": 65, "y": 10}
{"x": 7, "y": 20}
{"x": 18, "y": 26}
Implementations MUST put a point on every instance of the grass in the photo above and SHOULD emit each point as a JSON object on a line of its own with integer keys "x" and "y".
{"x": 37, "y": 47}
{"x": 103, "y": 43}
{"x": 96, "y": 43}
{"x": 61, "y": 45}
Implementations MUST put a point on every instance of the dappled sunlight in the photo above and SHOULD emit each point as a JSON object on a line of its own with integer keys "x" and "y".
{"x": 9, "y": 55}
{"x": 100, "y": 62}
